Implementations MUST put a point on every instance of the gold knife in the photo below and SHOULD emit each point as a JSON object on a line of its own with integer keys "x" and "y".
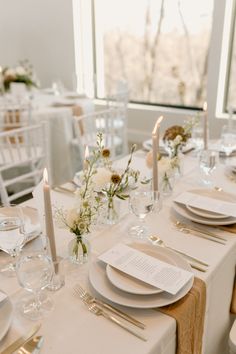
{"x": 21, "y": 341}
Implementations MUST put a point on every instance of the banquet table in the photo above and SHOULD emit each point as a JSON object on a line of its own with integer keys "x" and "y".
{"x": 63, "y": 159}
{"x": 71, "y": 328}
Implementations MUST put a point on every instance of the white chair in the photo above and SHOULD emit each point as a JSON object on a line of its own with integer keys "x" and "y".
{"x": 14, "y": 113}
{"x": 22, "y": 159}
{"x": 87, "y": 126}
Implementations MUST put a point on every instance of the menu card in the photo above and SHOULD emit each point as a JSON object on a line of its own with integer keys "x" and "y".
{"x": 2, "y": 296}
{"x": 207, "y": 203}
{"x": 146, "y": 268}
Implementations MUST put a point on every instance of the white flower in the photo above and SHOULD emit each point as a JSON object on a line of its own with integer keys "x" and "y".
{"x": 101, "y": 178}
{"x": 20, "y": 71}
{"x": 10, "y": 72}
{"x": 165, "y": 167}
{"x": 72, "y": 216}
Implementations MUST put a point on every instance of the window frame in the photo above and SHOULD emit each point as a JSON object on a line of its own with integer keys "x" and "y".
{"x": 218, "y": 68}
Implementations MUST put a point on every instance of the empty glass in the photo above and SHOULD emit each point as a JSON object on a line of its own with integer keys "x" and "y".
{"x": 228, "y": 140}
{"x": 34, "y": 273}
{"x": 141, "y": 203}
{"x": 197, "y": 136}
{"x": 12, "y": 237}
{"x": 208, "y": 161}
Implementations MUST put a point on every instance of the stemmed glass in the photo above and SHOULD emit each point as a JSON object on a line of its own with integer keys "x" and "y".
{"x": 228, "y": 140}
{"x": 208, "y": 161}
{"x": 141, "y": 203}
{"x": 34, "y": 273}
{"x": 12, "y": 237}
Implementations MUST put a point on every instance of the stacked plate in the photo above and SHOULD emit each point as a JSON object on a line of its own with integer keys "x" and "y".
{"x": 125, "y": 290}
{"x": 6, "y": 313}
{"x": 206, "y": 217}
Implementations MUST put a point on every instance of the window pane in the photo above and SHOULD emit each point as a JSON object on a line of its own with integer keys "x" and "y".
{"x": 159, "y": 46}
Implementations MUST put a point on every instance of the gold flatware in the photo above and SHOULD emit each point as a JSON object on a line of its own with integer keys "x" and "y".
{"x": 98, "y": 311}
{"x": 21, "y": 341}
{"x": 88, "y": 299}
{"x": 183, "y": 227}
{"x": 158, "y": 241}
{"x": 31, "y": 346}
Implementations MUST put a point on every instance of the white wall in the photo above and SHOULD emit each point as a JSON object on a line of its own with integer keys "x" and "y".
{"x": 41, "y": 31}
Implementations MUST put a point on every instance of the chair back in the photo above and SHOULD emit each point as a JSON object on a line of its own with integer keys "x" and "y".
{"x": 87, "y": 126}
{"x": 14, "y": 113}
{"x": 22, "y": 159}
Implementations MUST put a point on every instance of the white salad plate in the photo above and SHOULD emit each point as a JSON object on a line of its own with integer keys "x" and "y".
{"x": 132, "y": 285}
{"x": 184, "y": 210}
{"x": 206, "y": 213}
{"x": 100, "y": 282}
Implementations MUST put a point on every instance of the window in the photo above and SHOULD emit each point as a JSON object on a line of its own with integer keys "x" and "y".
{"x": 160, "y": 47}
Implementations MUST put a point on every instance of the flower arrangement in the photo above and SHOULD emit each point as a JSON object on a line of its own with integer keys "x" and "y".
{"x": 83, "y": 214}
{"x": 98, "y": 179}
{"x": 175, "y": 137}
{"x": 113, "y": 183}
{"x": 22, "y": 73}
{"x": 165, "y": 169}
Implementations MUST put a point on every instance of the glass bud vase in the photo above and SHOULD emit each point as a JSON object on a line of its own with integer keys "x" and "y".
{"x": 167, "y": 184}
{"x": 79, "y": 249}
{"x": 112, "y": 207}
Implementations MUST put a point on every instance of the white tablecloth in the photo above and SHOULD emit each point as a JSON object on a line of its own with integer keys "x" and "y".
{"x": 62, "y": 159}
{"x": 71, "y": 328}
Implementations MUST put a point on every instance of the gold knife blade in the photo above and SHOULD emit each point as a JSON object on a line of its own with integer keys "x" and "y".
{"x": 21, "y": 341}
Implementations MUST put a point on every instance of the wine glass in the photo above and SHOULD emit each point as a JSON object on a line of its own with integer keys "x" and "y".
{"x": 228, "y": 140}
{"x": 12, "y": 237}
{"x": 141, "y": 203}
{"x": 34, "y": 273}
{"x": 208, "y": 161}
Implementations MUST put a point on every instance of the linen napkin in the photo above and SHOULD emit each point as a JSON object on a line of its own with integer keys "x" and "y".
{"x": 78, "y": 111}
{"x": 189, "y": 313}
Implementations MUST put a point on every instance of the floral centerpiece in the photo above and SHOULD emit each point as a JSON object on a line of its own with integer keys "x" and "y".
{"x": 99, "y": 179}
{"x": 176, "y": 137}
{"x": 165, "y": 171}
{"x": 22, "y": 73}
{"x": 114, "y": 184}
{"x": 83, "y": 214}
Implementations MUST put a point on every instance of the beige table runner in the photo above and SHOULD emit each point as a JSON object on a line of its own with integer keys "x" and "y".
{"x": 189, "y": 313}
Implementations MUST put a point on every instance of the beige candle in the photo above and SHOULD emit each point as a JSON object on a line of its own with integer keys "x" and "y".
{"x": 155, "y": 152}
{"x": 205, "y": 126}
{"x": 48, "y": 216}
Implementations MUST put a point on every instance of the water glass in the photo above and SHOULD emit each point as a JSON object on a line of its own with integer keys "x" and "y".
{"x": 228, "y": 140}
{"x": 141, "y": 203}
{"x": 197, "y": 136}
{"x": 34, "y": 273}
{"x": 208, "y": 161}
{"x": 12, "y": 237}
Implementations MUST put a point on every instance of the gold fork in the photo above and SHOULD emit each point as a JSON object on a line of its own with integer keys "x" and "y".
{"x": 89, "y": 299}
{"x": 98, "y": 311}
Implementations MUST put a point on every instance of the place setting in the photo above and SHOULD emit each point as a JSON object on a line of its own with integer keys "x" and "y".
{"x": 198, "y": 208}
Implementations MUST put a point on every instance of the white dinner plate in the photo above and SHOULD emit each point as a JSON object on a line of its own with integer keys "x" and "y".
{"x": 6, "y": 314}
{"x": 183, "y": 211}
{"x": 132, "y": 285}
{"x": 147, "y": 145}
{"x": 206, "y": 213}
{"x": 101, "y": 283}
{"x": 32, "y": 225}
